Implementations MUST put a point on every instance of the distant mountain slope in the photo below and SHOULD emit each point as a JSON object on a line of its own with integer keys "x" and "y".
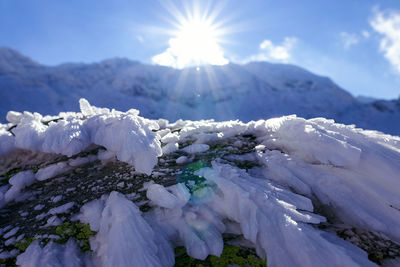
{"x": 246, "y": 92}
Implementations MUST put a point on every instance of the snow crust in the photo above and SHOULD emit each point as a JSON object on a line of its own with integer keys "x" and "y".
{"x": 355, "y": 172}
{"x": 19, "y": 182}
{"x": 51, "y": 171}
{"x": 126, "y": 239}
{"x": 266, "y": 215}
{"x": 6, "y": 139}
{"x": 170, "y": 148}
{"x": 181, "y": 159}
{"x": 11, "y": 232}
{"x": 196, "y": 148}
{"x": 161, "y": 197}
{"x": 91, "y": 213}
{"x": 269, "y": 217}
{"x": 295, "y": 135}
{"x": 61, "y": 209}
{"x": 127, "y": 135}
{"x": 52, "y": 255}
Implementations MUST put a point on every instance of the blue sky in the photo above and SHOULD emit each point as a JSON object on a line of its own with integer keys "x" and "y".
{"x": 356, "y": 43}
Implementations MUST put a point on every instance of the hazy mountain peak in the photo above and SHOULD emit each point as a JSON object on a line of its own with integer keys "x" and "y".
{"x": 12, "y": 61}
{"x": 247, "y": 92}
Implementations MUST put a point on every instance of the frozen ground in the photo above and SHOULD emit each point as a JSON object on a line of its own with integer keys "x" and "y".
{"x": 108, "y": 188}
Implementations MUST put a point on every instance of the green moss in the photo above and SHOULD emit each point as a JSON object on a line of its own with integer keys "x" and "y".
{"x": 79, "y": 231}
{"x": 187, "y": 176}
{"x": 10, "y": 173}
{"x": 54, "y": 120}
{"x": 182, "y": 259}
{"x": 230, "y": 255}
{"x": 24, "y": 243}
{"x": 201, "y": 190}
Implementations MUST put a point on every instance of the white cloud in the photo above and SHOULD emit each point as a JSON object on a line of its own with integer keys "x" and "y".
{"x": 349, "y": 39}
{"x": 388, "y": 25}
{"x": 269, "y": 51}
{"x": 192, "y": 47}
{"x": 365, "y": 34}
{"x": 166, "y": 59}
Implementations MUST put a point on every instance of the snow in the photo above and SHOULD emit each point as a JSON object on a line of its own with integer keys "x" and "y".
{"x": 10, "y": 241}
{"x": 181, "y": 159}
{"x": 61, "y": 209}
{"x": 361, "y": 180}
{"x": 124, "y": 134}
{"x": 258, "y": 208}
{"x": 11, "y": 232}
{"x": 125, "y": 238}
{"x": 78, "y": 161}
{"x": 52, "y": 221}
{"x": 170, "y": 137}
{"x": 161, "y": 197}
{"x": 20, "y": 237}
{"x": 9, "y": 254}
{"x": 24, "y": 214}
{"x": 105, "y": 155}
{"x": 170, "y": 148}
{"x": 205, "y": 128}
{"x": 51, "y": 171}
{"x": 7, "y": 141}
{"x": 39, "y": 207}
{"x": 14, "y": 117}
{"x": 299, "y": 162}
{"x": 41, "y": 216}
{"x": 18, "y": 182}
{"x": 56, "y": 198}
{"x": 295, "y": 136}
{"x": 196, "y": 148}
{"x": 52, "y": 255}
{"x": 91, "y": 213}
{"x": 128, "y": 136}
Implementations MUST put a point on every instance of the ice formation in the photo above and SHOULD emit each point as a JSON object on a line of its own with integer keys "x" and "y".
{"x": 18, "y": 182}
{"x": 126, "y": 239}
{"x": 52, "y": 254}
{"x": 358, "y": 172}
{"x": 127, "y": 135}
{"x": 295, "y": 163}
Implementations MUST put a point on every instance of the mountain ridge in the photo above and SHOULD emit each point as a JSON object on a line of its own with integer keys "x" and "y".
{"x": 246, "y": 92}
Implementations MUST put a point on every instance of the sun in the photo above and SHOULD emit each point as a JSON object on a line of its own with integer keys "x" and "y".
{"x": 195, "y": 41}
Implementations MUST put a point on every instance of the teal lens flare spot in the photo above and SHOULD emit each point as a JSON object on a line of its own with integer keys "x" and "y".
{"x": 201, "y": 190}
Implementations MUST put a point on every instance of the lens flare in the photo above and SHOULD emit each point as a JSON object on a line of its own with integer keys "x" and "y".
{"x": 196, "y": 44}
{"x": 201, "y": 190}
{"x": 195, "y": 41}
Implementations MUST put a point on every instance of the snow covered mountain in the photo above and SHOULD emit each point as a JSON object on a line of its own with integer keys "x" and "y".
{"x": 110, "y": 188}
{"x": 245, "y": 92}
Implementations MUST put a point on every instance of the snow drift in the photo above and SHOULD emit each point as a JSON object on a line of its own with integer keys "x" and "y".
{"x": 354, "y": 172}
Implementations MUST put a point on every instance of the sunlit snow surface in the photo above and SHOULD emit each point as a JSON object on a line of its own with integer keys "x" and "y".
{"x": 353, "y": 171}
